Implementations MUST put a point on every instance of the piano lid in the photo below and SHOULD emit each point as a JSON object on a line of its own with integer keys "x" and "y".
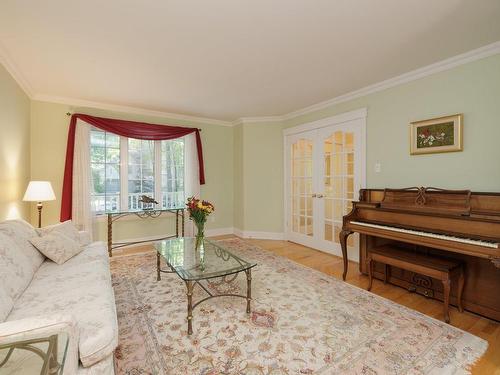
{"x": 428, "y": 200}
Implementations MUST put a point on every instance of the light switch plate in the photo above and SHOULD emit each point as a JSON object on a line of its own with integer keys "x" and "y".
{"x": 378, "y": 167}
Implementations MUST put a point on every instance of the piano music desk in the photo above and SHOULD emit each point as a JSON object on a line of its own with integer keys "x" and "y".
{"x": 438, "y": 268}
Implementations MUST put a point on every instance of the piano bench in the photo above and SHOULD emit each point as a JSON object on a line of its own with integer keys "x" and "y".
{"x": 444, "y": 270}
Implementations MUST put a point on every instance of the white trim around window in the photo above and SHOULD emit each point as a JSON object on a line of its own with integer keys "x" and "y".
{"x": 157, "y": 173}
{"x": 123, "y": 172}
{"x": 172, "y": 196}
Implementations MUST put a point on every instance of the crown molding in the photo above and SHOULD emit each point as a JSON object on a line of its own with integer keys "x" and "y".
{"x": 455, "y": 61}
{"x": 332, "y": 120}
{"x": 256, "y": 120}
{"x": 128, "y": 109}
{"x": 6, "y": 61}
{"x": 452, "y": 62}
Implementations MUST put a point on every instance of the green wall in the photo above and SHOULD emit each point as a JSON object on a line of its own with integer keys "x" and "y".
{"x": 472, "y": 89}
{"x": 244, "y": 163}
{"x": 48, "y": 148}
{"x": 263, "y": 177}
{"x": 14, "y": 148}
{"x": 239, "y": 193}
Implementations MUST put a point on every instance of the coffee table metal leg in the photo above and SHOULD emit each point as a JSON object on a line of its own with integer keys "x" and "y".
{"x": 249, "y": 289}
{"x": 190, "y": 285}
{"x": 177, "y": 223}
{"x": 158, "y": 277}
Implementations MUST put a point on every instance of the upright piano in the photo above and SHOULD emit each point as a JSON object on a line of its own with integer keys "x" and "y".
{"x": 457, "y": 224}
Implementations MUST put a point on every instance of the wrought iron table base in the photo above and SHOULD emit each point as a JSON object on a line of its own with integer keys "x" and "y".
{"x": 112, "y": 217}
{"x": 190, "y": 287}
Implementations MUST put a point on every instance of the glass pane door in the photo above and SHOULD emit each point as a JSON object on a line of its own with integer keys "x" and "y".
{"x": 302, "y": 187}
{"x": 324, "y": 170}
{"x": 339, "y": 159}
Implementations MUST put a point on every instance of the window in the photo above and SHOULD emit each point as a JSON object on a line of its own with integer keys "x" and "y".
{"x": 124, "y": 169}
{"x": 172, "y": 173}
{"x": 141, "y": 180}
{"x": 105, "y": 168}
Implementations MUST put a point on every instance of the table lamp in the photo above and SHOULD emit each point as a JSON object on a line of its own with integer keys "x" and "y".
{"x": 39, "y": 191}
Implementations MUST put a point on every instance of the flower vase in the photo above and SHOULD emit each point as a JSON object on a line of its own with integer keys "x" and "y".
{"x": 200, "y": 234}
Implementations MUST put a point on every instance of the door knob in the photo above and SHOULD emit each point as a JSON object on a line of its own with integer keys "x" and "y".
{"x": 314, "y": 195}
{"x": 319, "y": 195}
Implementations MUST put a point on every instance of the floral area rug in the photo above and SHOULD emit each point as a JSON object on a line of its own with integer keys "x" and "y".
{"x": 302, "y": 322}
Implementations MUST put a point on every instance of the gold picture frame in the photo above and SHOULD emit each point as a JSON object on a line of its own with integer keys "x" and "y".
{"x": 441, "y": 134}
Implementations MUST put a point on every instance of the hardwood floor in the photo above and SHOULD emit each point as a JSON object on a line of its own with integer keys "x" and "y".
{"x": 488, "y": 329}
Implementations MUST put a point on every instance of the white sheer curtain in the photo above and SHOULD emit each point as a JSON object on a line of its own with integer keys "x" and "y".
{"x": 82, "y": 212}
{"x": 81, "y": 208}
{"x": 191, "y": 176}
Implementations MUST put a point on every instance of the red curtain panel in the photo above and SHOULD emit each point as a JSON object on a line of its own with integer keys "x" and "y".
{"x": 129, "y": 129}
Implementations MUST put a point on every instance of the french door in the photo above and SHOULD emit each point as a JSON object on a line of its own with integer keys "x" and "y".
{"x": 324, "y": 171}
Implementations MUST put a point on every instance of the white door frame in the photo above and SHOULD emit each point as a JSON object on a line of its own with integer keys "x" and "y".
{"x": 359, "y": 116}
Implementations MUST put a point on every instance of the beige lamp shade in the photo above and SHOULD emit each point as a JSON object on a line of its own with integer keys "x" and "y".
{"x": 39, "y": 191}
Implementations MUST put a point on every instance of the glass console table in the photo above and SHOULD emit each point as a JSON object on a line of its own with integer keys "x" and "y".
{"x": 36, "y": 356}
{"x": 210, "y": 260}
{"x": 113, "y": 216}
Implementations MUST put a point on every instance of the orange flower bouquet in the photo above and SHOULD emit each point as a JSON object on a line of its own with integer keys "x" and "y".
{"x": 198, "y": 212}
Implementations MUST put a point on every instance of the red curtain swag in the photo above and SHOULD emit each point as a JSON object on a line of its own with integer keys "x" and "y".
{"x": 129, "y": 129}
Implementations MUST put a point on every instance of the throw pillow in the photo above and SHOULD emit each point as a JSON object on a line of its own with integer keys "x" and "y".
{"x": 67, "y": 228}
{"x": 16, "y": 270}
{"x": 57, "y": 246}
{"x": 20, "y": 232}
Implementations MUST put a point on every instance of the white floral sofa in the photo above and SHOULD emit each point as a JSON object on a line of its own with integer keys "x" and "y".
{"x": 38, "y": 296}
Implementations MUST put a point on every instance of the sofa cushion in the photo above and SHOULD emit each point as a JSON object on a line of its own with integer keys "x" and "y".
{"x": 81, "y": 287}
{"x": 96, "y": 251}
{"x": 57, "y": 246}
{"x": 6, "y": 303}
{"x": 103, "y": 367}
{"x": 84, "y": 238}
{"x": 16, "y": 269}
{"x": 21, "y": 232}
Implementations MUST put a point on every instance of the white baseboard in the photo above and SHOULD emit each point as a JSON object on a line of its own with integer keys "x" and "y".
{"x": 259, "y": 235}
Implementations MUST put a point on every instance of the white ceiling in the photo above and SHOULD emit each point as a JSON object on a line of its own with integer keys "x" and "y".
{"x": 226, "y": 59}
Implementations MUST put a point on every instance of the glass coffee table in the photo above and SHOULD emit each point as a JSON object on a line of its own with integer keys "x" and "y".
{"x": 210, "y": 260}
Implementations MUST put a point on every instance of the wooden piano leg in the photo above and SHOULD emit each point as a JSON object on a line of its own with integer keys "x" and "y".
{"x": 369, "y": 262}
{"x": 446, "y": 295}
{"x": 461, "y": 282}
{"x": 343, "y": 244}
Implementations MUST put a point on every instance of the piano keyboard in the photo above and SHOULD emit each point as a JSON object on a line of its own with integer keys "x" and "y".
{"x": 491, "y": 244}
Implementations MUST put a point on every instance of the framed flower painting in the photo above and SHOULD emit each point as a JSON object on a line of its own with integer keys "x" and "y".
{"x": 443, "y": 134}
